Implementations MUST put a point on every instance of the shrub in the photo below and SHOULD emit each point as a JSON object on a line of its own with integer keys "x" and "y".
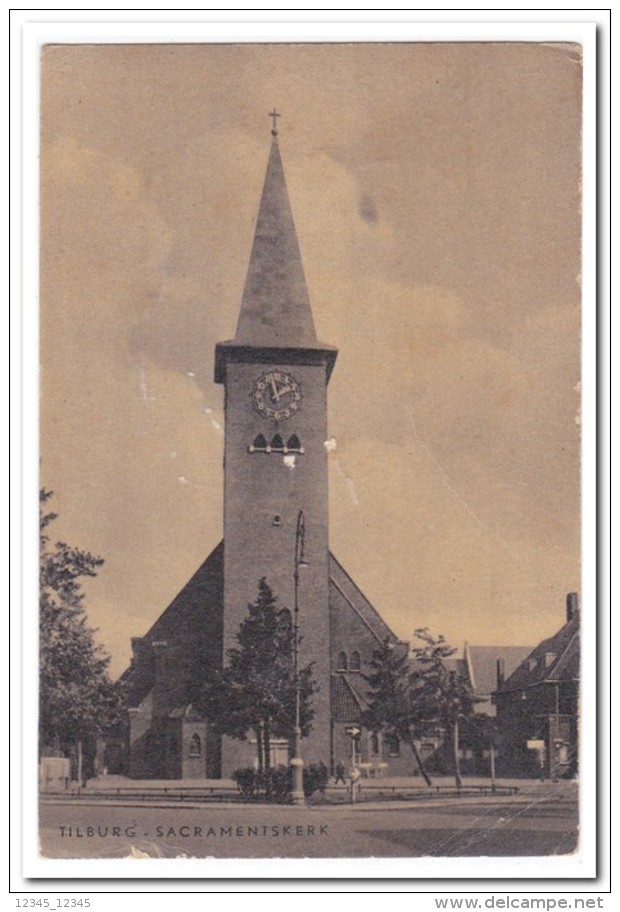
{"x": 278, "y": 783}
{"x": 316, "y": 776}
{"x": 274, "y": 783}
{"x": 247, "y": 781}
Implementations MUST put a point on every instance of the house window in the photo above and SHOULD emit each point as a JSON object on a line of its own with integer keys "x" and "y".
{"x": 393, "y": 746}
{"x": 195, "y": 745}
{"x": 355, "y": 663}
{"x": 374, "y": 744}
{"x": 342, "y": 662}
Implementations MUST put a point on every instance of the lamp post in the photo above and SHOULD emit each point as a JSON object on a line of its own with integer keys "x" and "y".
{"x": 297, "y": 763}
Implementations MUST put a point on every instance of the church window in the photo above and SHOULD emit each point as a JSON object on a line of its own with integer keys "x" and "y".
{"x": 277, "y": 444}
{"x": 293, "y": 444}
{"x": 355, "y": 663}
{"x": 342, "y": 662}
{"x": 195, "y": 745}
{"x": 259, "y": 445}
{"x": 393, "y": 746}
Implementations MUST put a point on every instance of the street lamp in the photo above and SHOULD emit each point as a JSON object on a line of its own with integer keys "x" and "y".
{"x": 297, "y": 763}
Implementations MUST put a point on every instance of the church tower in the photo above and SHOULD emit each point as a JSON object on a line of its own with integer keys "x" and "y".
{"x": 275, "y": 374}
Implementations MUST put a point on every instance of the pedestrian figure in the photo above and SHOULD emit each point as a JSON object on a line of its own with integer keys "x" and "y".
{"x": 355, "y": 784}
{"x": 340, "y": 771}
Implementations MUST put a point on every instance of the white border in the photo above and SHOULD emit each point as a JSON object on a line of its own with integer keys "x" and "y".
{"x": 194, "y": 29}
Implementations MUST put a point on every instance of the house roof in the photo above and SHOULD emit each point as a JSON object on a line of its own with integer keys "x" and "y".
{"x": 186, "y": 711}
{"x": 555, "y": 659}
{"x": 482, "y": 664}
{"x": 454, "y": 664}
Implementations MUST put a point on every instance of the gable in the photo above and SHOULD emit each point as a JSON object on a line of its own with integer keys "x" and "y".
{"x": 196, "y": 612}
{"x": 346, "y": 598}
{"x": 191, "y": 628}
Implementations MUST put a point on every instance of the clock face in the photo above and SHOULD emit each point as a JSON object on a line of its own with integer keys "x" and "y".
{"x": 276, "y": 395}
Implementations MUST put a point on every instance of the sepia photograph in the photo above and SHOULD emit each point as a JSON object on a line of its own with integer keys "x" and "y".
{"x": 310, "y": 354}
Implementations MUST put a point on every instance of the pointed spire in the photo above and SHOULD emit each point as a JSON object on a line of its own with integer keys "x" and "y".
{"x": 275, "y": 310}
{"x": 275, "y": 321}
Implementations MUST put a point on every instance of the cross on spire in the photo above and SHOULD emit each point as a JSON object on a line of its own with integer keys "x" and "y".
{"x": 274, "y": 126}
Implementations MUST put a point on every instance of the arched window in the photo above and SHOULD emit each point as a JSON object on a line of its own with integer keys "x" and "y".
{"x": 355, "y": 663}
{"x": 342, "y": 662}
{"x": 393, "y": 745}
{"x": 259, "y": 445}
{"x": 374, "y": 743}
{"x": 195, "y": 745}
{"x": 277, "y": 444}
{"x": 293, "y": 444}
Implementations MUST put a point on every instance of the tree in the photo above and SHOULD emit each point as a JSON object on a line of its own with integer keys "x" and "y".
{"x": 443, "y": 695}
{"x": 393, "y": 708}
{"x": 77, "y": 699}
{"x": 256, "y": 690}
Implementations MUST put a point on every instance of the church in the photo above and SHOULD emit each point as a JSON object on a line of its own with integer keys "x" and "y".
{"x": 275, "y": 374}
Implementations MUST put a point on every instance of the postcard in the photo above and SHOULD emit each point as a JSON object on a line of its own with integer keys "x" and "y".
{"x": 310, "y": 453}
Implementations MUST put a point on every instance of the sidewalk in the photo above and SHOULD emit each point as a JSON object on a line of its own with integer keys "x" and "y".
{"x": 390, "y": 792}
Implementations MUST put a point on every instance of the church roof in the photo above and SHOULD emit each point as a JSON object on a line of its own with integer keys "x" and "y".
{"x": 342, "y": 588}
{"x": 275, "y": 315}
{"x": 199, "y": 602}
{"x": 192, "y": 622}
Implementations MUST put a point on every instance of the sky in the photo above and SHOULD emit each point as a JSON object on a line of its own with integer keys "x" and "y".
{"x": 436, "y": 193}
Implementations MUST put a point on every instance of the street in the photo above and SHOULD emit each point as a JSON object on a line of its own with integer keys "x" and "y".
{"x": 543, "y": 821}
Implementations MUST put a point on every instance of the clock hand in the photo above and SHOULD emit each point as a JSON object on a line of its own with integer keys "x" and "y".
{"x": 275, "y": 394}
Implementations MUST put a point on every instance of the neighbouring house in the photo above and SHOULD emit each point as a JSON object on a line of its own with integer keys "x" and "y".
{"x": 538, "y": 705}
{"x": 477, "y": 737}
